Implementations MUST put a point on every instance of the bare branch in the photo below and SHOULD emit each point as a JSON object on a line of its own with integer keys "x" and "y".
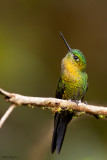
{"x": 6, "y": 115}
{"x": 53, "y": 104}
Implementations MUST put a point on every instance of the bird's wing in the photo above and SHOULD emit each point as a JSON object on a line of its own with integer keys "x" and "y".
{"x": 60, "y": 89}
{"x": 60, "y": 122}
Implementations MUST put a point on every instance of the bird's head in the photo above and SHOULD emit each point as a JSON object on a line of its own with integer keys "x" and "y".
{"x": 77, "y": 59}
{"x": 74, "y": 57}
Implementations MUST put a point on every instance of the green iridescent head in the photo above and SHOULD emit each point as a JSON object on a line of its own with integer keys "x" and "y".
{"x": 76, "y": 56}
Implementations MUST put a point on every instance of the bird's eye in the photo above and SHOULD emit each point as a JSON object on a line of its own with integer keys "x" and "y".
{"x": 76, "y": 58}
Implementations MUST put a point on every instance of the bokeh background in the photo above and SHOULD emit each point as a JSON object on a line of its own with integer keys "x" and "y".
{"x": 31, "y": 50}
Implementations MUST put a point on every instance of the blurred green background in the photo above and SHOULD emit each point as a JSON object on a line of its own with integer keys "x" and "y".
{"x": 31, "y": 50}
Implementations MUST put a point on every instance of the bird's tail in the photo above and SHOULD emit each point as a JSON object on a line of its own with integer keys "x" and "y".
{"x": 61, "y": 121}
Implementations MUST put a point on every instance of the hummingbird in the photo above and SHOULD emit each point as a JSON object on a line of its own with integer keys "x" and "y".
{"x": 72, "y": 86}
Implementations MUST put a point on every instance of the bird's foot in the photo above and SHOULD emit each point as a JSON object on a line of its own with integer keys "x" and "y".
{"x": 76, "y": 101}
{"x": 85, "y": 102}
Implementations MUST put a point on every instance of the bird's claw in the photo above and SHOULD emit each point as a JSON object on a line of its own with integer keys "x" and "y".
{"x": 76, "y": 101}
{"x": 85, "y": 102}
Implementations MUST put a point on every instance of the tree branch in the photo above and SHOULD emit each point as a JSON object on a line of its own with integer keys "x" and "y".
{"x": 53, "y": 104}
{"x": 6, "y": 115}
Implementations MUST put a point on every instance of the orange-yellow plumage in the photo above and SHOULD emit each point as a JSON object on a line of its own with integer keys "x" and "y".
{"x": 73, "y": 77}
